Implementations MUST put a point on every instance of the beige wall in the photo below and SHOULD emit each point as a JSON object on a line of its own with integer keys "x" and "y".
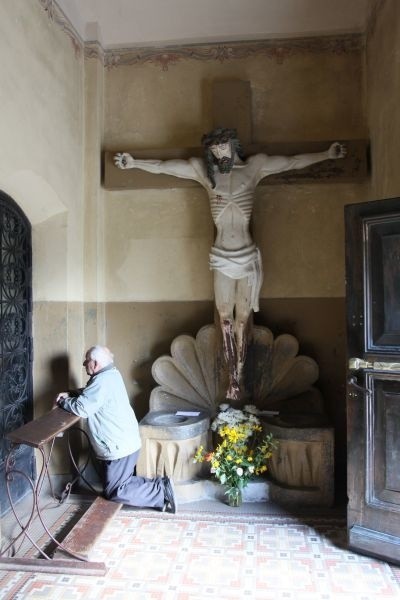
{"x": 41, "y": 168}
{"x": 383, "y": 93}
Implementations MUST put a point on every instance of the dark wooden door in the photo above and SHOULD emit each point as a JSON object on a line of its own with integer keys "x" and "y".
{"x": 373, "y": 391}
{"x": 15, "y": 343}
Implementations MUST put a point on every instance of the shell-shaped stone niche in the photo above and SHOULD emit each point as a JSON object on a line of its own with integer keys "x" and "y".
{"x": 195, "y": 376}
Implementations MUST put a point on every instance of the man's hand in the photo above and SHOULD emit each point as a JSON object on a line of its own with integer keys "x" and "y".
{"x": 59, "y": 397}
{"x": 337, "y": 150}
{"x": 123, "y": 160}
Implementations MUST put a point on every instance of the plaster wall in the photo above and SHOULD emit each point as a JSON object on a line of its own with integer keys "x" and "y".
{"x": 41, "y": 168}
{"x": 383, "y": 92}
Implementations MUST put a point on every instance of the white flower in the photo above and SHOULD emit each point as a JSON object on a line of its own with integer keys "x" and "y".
{"x": 239, "y": 471}
{"x": 232, "y": 417}
{"x": 254, "y": 420}
{"x": 251, "y": 469}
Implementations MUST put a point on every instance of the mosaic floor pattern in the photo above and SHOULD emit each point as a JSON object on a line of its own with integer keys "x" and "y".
{"x": 197, "y": 556}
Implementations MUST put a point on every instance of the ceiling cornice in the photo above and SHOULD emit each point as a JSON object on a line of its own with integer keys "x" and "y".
{"x": 166, "y": 56}
{"x": 57, "y": 16}
{"x": 276, "y": 49}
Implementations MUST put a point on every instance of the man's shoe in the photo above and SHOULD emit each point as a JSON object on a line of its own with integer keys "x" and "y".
{"x": 170, "y": 503}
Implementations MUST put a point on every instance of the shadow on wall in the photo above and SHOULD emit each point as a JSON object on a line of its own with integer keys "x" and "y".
{"x": 161, "y": 332}
{"x": 58, "y": 380}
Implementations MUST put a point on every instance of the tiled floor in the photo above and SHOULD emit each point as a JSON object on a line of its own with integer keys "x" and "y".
{"x": 210, "y": 550}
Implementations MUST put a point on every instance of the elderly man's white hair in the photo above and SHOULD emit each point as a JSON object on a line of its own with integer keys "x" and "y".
{"x": 101, "y": 354}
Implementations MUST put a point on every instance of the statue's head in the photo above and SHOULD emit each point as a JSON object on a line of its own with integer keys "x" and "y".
{"x": 220, "y": 147}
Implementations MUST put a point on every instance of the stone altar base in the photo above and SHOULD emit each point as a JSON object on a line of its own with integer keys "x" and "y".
{"x": 301, "y": 470}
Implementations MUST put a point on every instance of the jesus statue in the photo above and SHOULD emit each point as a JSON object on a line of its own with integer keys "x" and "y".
{"x": 230, "y": 180}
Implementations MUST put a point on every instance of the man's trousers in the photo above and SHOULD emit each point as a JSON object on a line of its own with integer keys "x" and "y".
{"x": 121, "y": 485}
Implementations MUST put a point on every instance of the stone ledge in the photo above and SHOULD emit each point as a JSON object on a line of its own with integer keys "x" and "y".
{"x": 256, "y": 491}
{"x": 206, "y": 489}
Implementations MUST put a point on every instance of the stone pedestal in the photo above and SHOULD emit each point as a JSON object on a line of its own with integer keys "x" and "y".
{"x": 169, "y": 442}
{"x": 302, "y": 467}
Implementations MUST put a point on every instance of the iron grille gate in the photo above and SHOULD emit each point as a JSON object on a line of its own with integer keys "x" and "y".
{"x": 16, "y": 404}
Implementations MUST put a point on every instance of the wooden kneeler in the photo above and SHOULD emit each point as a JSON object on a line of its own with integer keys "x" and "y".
{"x": 82, "y": 538}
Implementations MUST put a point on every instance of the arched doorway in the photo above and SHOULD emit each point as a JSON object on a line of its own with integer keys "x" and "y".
{"x": 16, "y": 403}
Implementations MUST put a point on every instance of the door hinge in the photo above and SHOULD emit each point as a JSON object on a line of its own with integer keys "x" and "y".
{"x": 30, "y": 349}
{"x": 356, "y": 364}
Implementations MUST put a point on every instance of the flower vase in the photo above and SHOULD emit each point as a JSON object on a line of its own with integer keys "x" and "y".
{"x": 234, "y": 497}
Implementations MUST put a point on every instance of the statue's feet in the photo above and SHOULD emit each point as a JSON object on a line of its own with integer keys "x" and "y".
{"x": 233, "y": 392}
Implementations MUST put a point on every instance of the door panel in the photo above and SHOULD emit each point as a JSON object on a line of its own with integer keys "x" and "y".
{"x": 382, "y": 272}
{"x": 15, "y": 342}
{"x": 373, "y": 394}
{"x": 383, "y": 446}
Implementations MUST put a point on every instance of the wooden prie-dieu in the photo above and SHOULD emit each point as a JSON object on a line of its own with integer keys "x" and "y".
{"x": 72, "y": 554}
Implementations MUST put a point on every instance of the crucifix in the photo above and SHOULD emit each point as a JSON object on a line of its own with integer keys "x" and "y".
{"x": 230, "y": 180}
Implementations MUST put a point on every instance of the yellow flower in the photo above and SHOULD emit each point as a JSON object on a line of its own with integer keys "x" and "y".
{"x": 242, "y": 452}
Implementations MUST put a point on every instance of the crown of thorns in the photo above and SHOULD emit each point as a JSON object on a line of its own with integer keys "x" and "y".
{"x": 218, "y": 136}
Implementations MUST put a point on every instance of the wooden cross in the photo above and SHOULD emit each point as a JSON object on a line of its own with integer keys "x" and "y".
{"x": 232, "y": 109}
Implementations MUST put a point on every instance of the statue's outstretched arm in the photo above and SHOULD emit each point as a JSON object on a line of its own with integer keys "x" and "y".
{"x": 268, "y": 165}
{"x": 175, "y": 167}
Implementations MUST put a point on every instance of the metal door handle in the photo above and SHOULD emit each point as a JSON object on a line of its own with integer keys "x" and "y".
{"x": 353, "y": 382}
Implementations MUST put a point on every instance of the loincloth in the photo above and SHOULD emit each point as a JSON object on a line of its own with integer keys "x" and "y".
{"x": 238, "y": 264}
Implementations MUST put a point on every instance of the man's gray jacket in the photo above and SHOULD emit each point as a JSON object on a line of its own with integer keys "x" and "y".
{"x": 112, "y": 424}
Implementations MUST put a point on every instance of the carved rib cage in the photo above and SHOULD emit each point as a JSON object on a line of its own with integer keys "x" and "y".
{"x": 195, "y": 376}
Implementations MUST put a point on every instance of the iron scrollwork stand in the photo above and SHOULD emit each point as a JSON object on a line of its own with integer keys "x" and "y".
{"x": 38, "y": 434}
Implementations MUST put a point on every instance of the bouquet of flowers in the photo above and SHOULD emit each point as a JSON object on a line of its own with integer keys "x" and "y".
{"x": 242, "y": 451}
